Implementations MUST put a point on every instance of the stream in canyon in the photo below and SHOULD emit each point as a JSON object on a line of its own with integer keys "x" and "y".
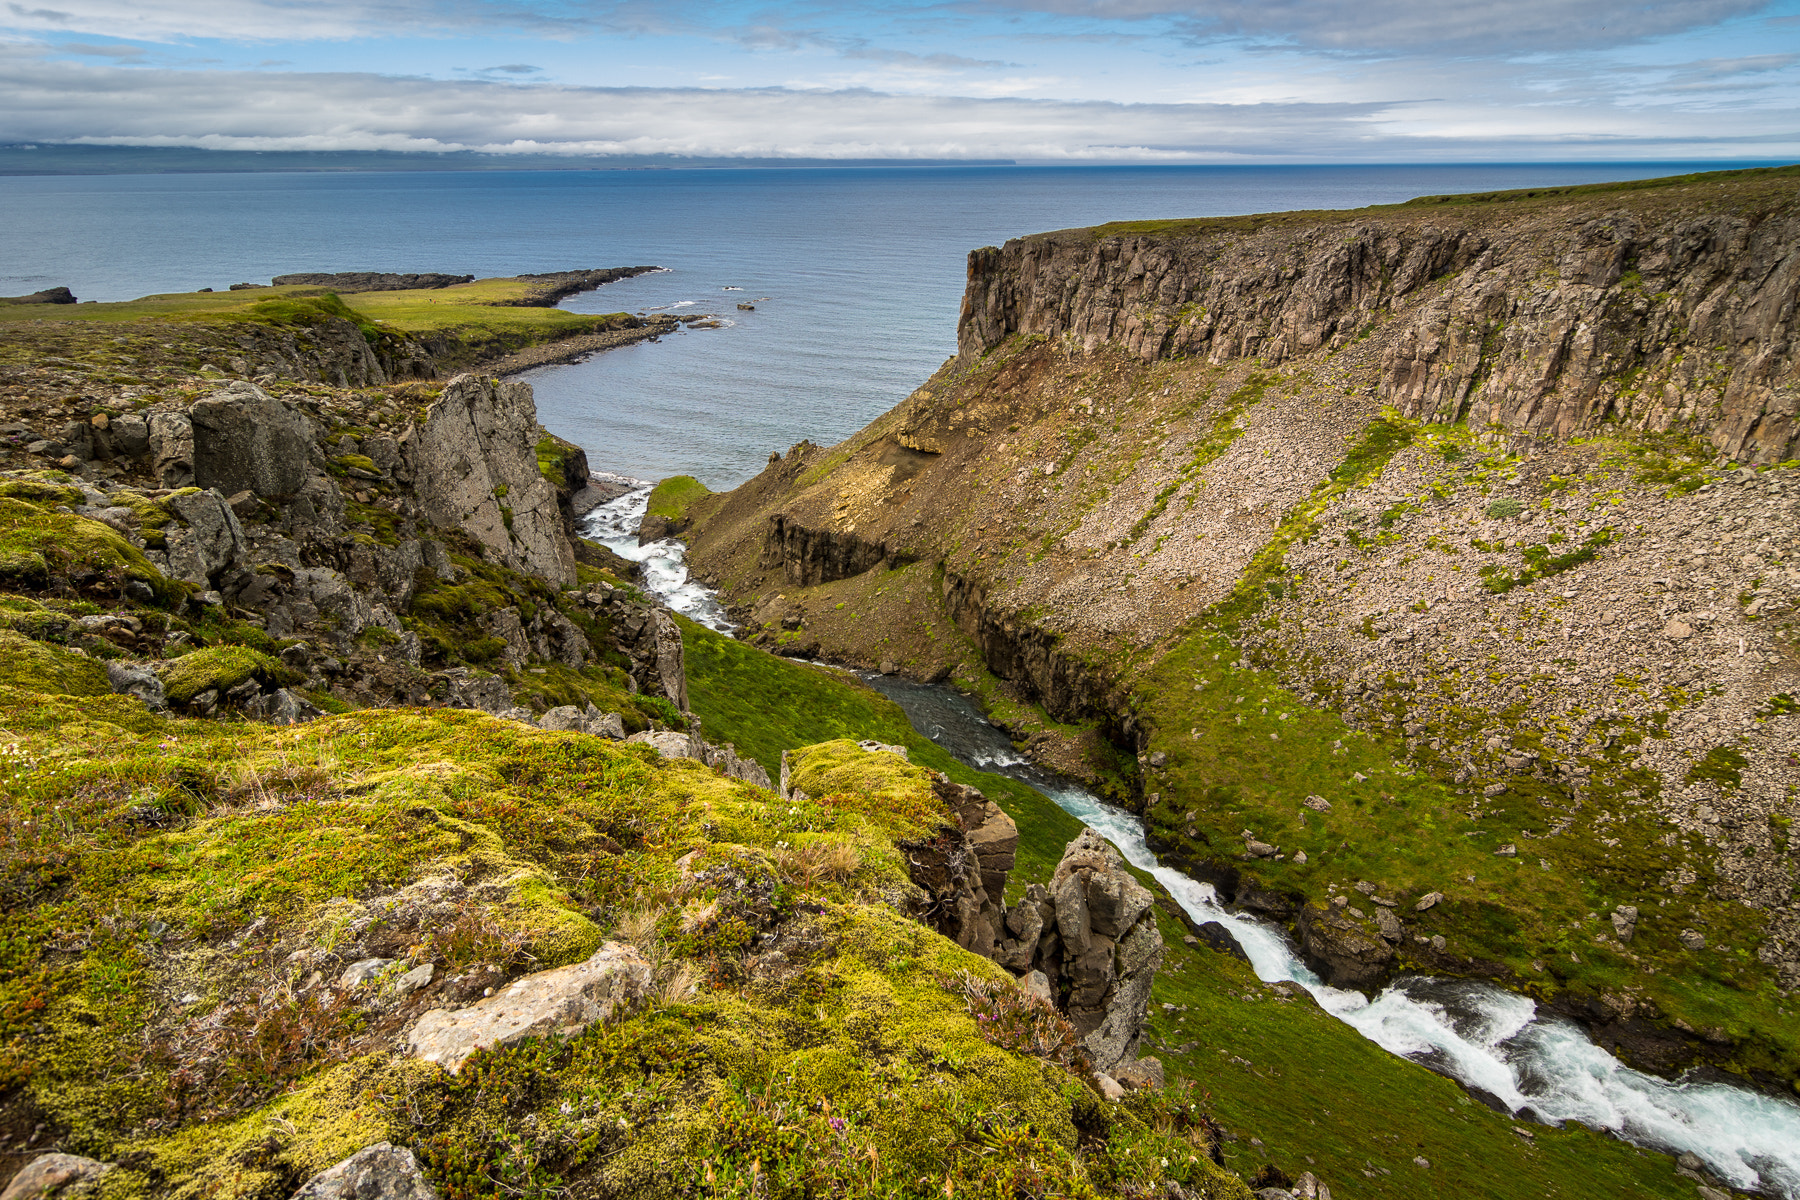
{"x": 1497, "y": 1042}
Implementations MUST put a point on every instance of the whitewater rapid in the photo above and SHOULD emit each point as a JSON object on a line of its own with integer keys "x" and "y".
{"x": 1541, "y": 1067}
{"x": 663, "y": 562}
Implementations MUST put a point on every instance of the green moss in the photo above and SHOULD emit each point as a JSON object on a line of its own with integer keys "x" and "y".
{"x": 1723, "y": 765}
{"x": 38, "y": 546}
{"x": 40, "y": 668}
{"x": 673, "y": 496}
{"x": 764, "y": 704}
{"x": 220, "y": 668}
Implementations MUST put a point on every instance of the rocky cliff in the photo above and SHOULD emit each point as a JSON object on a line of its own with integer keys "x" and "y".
{"x": 1380, "y": 553}
{"x": 1552, "y": 313}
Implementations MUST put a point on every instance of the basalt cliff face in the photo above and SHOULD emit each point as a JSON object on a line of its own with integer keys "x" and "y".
{"x": 1653, "y": 311}
{"x": 1421, "y": 573}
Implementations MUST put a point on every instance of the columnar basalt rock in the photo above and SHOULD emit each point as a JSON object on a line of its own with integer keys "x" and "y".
{"x": 1657, "y": 311}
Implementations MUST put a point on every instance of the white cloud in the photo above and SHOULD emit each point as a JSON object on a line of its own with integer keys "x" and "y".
{"x": 1474, "y": 27}
{"x": 50, "y": 101}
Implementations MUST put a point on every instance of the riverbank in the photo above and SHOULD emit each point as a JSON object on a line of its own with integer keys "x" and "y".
{"x": 1272, "y": 1019}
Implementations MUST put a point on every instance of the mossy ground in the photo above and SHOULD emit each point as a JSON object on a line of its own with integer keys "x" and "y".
{"x": 763, "y": 704}
{"x": 147, "y": 856}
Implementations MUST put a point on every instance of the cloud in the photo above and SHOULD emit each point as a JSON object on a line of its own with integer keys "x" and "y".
{"x": 50, "y": 101}
{"x": 508, "y": 70}
{"x": 1474, "y": 27}
{"x": 110, "y": 51}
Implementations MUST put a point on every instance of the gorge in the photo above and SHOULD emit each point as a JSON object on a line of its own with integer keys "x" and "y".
{"x": 1415, "y": 576}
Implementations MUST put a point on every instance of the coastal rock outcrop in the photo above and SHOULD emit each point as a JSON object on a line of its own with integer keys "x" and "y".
{"x": 474, "y": 469}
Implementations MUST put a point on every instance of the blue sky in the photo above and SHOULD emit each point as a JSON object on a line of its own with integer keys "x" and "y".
{"x": 1035, "y": 80}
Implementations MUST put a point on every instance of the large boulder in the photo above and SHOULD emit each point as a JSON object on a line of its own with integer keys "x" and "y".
{"x": 563, "y": 1001}
{"x": 247, "y": 440}
{"x": 474, "y": 466}
{"x": 378, "y": 1172}
{"x": 1344, "y": 946}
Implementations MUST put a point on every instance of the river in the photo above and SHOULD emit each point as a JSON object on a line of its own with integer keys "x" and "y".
{"x": 1540, "y": 1066}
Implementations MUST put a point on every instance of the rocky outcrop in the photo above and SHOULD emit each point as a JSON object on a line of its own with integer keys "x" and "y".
{"x": 1659, "y": 308}
{"x": 370, "y": 281}
{"x": 563, "y": 1002}
{"x": 378, "y": 1172}
{"x": 59, "y": 1176}
{"x": 55, "y": 295}
{"x": 1345, "y": 946}
{"x": 245, "y": 440}
{"x": 474, "y": 468}
{"x": 962, "y": 869}
{"x": 809, "y": 555}
{"x": 553, "y": 287}
{"x": 1092, "y": 933}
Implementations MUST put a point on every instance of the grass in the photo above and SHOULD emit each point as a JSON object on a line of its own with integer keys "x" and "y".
{"x": 481, "y": 315}
{"x": 1201, "y": 226}
{"x": 1307, "y": 1085}
{"x": 674, "y": 496}
{"x": 763, "y": 705}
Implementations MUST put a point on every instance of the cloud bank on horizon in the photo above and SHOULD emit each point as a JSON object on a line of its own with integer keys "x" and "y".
{"x": 1035, "y": 80}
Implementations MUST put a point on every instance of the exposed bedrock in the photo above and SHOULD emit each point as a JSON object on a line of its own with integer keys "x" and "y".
{"x": 1547, "y": 319}
{"x": 474, "y": 468}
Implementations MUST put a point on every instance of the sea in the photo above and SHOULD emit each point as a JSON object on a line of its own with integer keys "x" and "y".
{"x": 853, "y": 275}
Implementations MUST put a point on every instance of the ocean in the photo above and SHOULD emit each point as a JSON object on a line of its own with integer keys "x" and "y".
{"x": 855, "y": 274}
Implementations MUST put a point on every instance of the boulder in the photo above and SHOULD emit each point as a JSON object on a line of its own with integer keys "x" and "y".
{"x": 463, "y": 688}
{"x": 474, "y": 465}
{"x": 668, "y": 743}
{"x": 246, "y": 440}
{"x": 562, "y": 1001}
{"x": 1346, "y": 951}
{"x": 378, "y": 1172}
{"x": 58, "y": 1175}
{"x": 133, "y": 679}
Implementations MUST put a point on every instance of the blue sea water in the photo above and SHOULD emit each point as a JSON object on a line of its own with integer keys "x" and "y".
{"x": 855, "y": 273}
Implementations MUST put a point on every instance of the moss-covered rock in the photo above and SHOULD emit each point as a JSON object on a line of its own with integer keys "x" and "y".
{"x": 804, "y": 1032}
{"x": 221, "y": 667}
{"x": 40, "y": 668}
{"x": 39, "y": 546}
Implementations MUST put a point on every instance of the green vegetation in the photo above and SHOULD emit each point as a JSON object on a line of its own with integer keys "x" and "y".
{"x": 1244, "y": 752}
{"x": 763, "y": 704}
{"x": 483, "y": 318}
{"x": 1255, "y": 223}
{"x": 674, "y": 496}
{"x": 221, "y": 668}
{"x": 161, "y": 872}
{"x": 35, "y": 667}
{"x": 1284, "y": 1071}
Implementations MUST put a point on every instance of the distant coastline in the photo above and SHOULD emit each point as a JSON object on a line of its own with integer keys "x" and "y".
{"x": 42, "y": 158}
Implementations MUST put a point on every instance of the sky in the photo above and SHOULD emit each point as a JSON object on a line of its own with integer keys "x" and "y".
{"x": 1051, "y": 81}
